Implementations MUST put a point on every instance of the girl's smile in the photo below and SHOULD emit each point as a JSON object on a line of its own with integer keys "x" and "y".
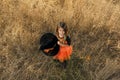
{"x": 61, "y": 32}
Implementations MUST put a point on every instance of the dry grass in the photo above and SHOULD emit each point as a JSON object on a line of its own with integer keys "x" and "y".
{"x": 94, "y": 28}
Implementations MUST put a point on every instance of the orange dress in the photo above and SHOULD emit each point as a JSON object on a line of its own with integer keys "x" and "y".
{"x": 64, "y": 52}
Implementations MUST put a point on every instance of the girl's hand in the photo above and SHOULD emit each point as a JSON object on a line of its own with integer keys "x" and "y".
{"x": 58, "y": 42}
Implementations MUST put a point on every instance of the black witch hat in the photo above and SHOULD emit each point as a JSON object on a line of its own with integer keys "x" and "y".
{"x": 48, "y": 41}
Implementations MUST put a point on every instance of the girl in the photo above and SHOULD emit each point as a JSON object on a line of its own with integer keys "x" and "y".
{"x": 64, "y": 42}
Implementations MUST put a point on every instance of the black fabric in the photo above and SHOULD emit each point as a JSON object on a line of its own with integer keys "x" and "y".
{"x": 68, "y": 40}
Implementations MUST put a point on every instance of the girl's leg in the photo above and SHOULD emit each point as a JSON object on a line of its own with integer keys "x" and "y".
{"x": 64, "y": 64}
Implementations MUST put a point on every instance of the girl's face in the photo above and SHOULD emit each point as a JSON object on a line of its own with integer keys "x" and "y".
{"x": 61, "y": 32}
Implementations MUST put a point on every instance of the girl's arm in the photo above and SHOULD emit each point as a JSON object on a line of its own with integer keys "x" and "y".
{"x": 68, "y": 40}
{"x": 61, "y": 44}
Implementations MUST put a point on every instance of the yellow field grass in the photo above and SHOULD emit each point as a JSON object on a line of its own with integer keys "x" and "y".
{"x": 94, "y": 27}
